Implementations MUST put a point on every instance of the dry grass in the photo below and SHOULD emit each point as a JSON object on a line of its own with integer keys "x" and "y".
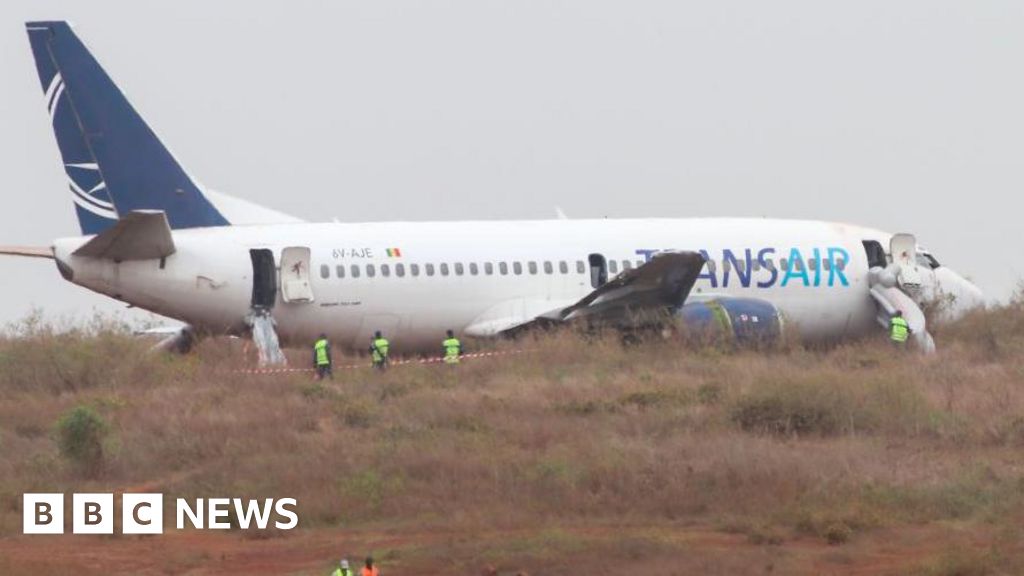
{"x": 782, "y": 446}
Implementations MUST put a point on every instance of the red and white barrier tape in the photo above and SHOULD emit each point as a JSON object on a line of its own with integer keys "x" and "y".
{"x": 432, "y": 360}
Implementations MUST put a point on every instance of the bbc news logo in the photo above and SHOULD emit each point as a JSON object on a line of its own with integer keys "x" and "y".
{"x": 144, "y": 513}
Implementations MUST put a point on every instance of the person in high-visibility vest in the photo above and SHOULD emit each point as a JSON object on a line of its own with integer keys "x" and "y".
{"x": 899, "y": 330}
{"x": 379, "y": 351}
{"x": 370, "y": 569}
{"x": 322, "y": 357}
{"x": 452, "y": 348}
{"x": 343, "y": 569}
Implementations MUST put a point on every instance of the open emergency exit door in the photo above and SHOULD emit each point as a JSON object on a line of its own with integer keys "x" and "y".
{"x": 903, "y": 249}
{"x": 295, "y": 281}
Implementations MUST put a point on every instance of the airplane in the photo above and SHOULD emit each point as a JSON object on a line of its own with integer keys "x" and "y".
{"x": 155, "y": 238}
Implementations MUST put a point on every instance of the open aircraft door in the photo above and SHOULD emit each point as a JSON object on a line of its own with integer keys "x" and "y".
{"x": 295, "y": 281}
{"x": 903, "y": 248}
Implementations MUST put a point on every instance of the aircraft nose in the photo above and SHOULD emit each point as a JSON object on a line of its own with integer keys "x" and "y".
{"x": 963, "y": 294}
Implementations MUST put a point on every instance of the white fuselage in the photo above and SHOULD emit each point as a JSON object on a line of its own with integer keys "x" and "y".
{"x": 490, "y": 283}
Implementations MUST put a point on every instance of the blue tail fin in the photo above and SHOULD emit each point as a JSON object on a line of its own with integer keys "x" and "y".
{"x": 114, "y": 161}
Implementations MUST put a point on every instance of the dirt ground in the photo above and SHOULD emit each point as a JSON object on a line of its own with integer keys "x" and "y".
{"x": 557, "y": 550}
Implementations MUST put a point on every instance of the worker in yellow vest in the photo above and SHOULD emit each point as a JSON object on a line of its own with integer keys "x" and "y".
{"x": 322, "y": 357}
{"x": 899, "y": 330}
{"x": 342, "y": 569}
{"x": 452, "y": 349}
{"x": 379, "y": 351}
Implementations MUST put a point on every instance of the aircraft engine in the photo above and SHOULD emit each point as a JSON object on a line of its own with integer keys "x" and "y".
{"x": 743, "y": 321}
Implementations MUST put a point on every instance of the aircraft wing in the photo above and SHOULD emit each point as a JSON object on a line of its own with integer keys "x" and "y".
{"x": 138, "y": 235}
{"x": 644, "y": 293}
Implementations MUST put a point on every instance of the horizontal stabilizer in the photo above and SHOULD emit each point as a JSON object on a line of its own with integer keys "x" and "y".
{"x": 28, "y": 251}
{"x": 138, "y": 235}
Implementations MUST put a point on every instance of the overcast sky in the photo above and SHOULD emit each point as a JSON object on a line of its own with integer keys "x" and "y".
{"x": 903, "y": 115}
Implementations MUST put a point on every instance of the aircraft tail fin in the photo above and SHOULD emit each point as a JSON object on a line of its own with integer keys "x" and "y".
{"x": 114, "y": 162}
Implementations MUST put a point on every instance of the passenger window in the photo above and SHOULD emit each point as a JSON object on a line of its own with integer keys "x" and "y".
{"x": 799, "y": 265}
{"x": 325, "y": 271}
{"x": 414, "y": 269}
{"x": 613, "y": 266}
{"x": 473, "y": 269}
{"x": 458, "y": 269}
{"x": 385, "y": 270}
{"x": 444, "y": 269}
{"x": 755, "y": 265}
{"x": 517, "y": 267}
{"x": 812, "y": 264}
{"x": 355, "y": 271}
{"x": 581, "y": 268}
{"x": 488, "y": 268}
{"x": 563, "y": 267}
{"x": 640, "y": 262}
{"x": 399, "y": 270}
{"x": 429, "y": 268}
{"x": 726, "y": 266}
{"x": 841, "y": 264}
{"x": 548, "y": 269}
{"x": 785, "y": 264}
{"x": 532, "y": 266}
{"x": 503, "y": 268}
{"x": 340, "y": 271}
{"x": 627, "y": 265}
{"x": 370, "y": 271}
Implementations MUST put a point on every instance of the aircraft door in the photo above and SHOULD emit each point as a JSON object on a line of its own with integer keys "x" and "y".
{"x": 598, "y": 270}
{"x": 903, "y": 249}
{"x": 264, "y": 278}
{"x": 295, "y": 281}
{"x": 875, "y": 253}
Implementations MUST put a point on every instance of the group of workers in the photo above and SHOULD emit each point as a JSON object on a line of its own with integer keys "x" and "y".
{"x": 451, "y": 347}
{"x": 379, "y": 351}
{"x": 368, "y": 569}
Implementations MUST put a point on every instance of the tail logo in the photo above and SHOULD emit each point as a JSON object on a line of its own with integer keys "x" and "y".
{"x": 53, "y": 94}
{"x": 84, "y": 179}
{"x": 87, "y": 176}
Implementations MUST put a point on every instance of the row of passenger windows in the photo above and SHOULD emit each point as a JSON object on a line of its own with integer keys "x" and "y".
{"x": 516, "y": 268}
{"x": 457, "y": 268}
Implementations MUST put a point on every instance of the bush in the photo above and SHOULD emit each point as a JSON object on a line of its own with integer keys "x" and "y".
{"x": 837, "y": 533}
{"x": 80, "y": 433}
{"x": 797, "y": 408}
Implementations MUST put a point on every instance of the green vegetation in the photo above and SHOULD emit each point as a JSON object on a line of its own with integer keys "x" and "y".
{"x": 573, "y": 448}
{"x": 80, "y": 434}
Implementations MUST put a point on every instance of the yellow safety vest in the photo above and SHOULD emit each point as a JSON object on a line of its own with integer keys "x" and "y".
{"x": 452, "y": 348}
{"x": 899, "y": 329}
{"x": 380, "y": 350}
{"x": 322, "y": 358}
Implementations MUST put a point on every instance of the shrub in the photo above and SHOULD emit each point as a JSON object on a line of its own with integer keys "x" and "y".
{"x": 837, "y": 533}
{"x": 798, "y": 408}
{"x": 80, "y": 433}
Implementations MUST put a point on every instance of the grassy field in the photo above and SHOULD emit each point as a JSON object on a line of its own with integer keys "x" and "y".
{"x": 576, "y": 456}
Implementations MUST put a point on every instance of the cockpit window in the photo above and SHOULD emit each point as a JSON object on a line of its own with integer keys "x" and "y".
{"x": 926, "y": 259}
